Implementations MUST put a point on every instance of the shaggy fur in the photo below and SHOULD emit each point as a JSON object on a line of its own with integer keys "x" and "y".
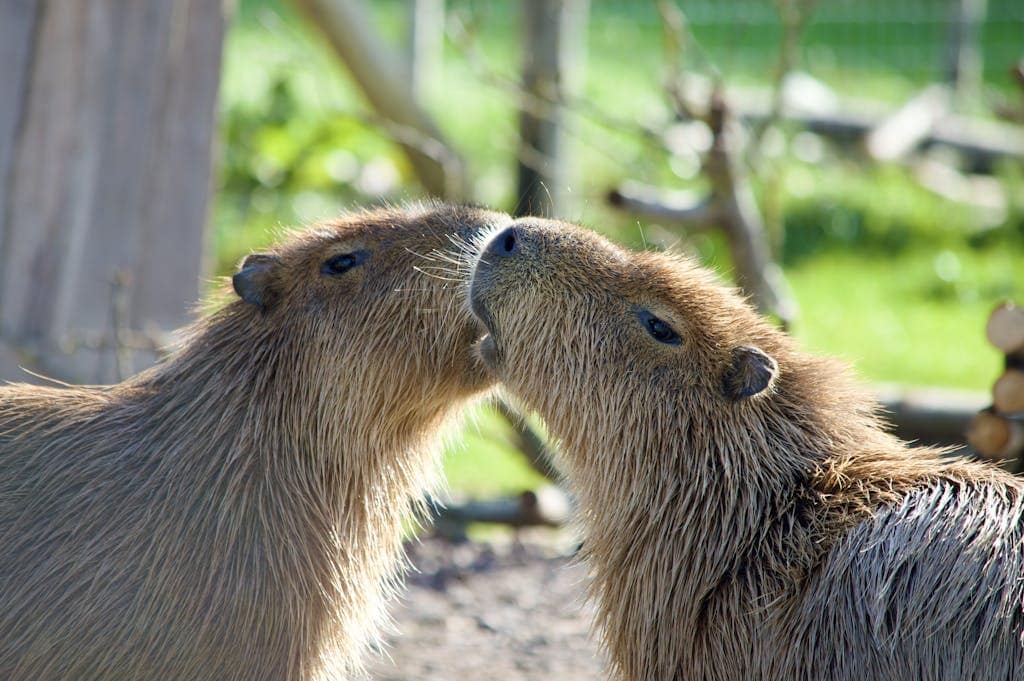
{"x": 236, "y": 512}
{"x": 780, "y": 536}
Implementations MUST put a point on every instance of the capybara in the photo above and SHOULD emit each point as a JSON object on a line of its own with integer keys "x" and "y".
{"x": 237, "y": 511}
{"x": 744, "y": 513}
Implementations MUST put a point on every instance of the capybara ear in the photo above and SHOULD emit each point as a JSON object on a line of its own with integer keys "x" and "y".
{"x": 750, "y": 372}
{"x": 254, "y": 281}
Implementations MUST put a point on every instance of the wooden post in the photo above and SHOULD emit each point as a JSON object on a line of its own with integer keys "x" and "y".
{"x": 964, "y": 60}
{"x": 105, "y": 151}
{"x": 425, "y": 47}
{"x": 553, "y": 34}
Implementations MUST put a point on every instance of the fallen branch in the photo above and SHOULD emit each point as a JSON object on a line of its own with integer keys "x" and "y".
{"x": 982, "y": 143}
{"x": 527, "y": 441}
{"x": 548, "y": 506}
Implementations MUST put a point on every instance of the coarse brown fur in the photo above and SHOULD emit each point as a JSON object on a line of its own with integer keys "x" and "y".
{"x": 236, "y": 512}
{"x": 783, "y": 535}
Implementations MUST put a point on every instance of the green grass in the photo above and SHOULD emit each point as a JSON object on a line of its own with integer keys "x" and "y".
{"x": 917, "y": 318}
{"x": 481, "y": 462}
{"x": 889, "y": 276}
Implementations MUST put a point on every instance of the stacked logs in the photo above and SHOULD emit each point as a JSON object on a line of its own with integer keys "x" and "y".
{"x": 997, "y": 432}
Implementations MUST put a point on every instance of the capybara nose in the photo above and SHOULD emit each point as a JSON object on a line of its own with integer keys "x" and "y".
{"x": 504, "y": 244}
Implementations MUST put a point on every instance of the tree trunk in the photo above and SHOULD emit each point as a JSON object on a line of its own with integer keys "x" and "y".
{"x": 425, "y": 49}
{"x": 380, "y": 75}
{"x": 105, "y": 149}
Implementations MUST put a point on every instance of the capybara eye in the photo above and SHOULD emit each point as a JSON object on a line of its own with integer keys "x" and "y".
{"x": 343, "y": 262}
{"x": 659, "y": 329}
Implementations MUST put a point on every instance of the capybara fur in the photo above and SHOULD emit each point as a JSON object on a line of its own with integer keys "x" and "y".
{"x": 236, "y": 512}
{"x": 744, "y": 513}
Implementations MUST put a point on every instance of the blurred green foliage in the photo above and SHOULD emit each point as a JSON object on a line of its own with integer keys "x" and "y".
{"x": 888, "y": 275}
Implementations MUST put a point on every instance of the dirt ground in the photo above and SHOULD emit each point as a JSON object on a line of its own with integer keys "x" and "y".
{"x": 496, "y": 611}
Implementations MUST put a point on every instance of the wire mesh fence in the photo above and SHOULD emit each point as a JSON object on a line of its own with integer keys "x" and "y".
{"x": 911, "y": 37}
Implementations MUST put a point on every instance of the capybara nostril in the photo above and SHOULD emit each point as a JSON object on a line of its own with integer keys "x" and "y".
{"x": 505, "y": 243}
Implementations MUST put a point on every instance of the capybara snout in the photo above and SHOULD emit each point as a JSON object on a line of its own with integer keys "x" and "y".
{"x": 372, "y": 275}
{"x": 595, "y": 307}
{"x": 504, "y": 244}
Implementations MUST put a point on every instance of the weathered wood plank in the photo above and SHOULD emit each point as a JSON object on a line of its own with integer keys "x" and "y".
{"x": 107, "y": 175}
{"x": 17, "y": 21}
{"x": 179, "y": 181}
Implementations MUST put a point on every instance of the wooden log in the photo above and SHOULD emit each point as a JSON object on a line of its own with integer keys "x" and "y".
{"x": 995, "y": 437}
{"x": 1005, "y": 328}
{"x": 929, "y": 416}
{"x": 547, "y": 506}
{"x": 1008, "y": 392}
{"x": 905, "y": 129}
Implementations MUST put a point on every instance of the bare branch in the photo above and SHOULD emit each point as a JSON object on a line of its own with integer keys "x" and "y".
{"x": 381, "y": 78}
{"x": 528, "y": 441}
{"x": 693, "y": 211}
{"x": 905, "y": 129}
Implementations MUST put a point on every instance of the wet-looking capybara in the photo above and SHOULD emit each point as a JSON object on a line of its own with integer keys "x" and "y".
{"x": 236, "y": 512}
{"x": 745, "y": 515}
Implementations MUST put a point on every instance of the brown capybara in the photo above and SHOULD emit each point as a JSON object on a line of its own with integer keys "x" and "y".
{"x": 236, "y": 512}
{"x": 745, "y": 515}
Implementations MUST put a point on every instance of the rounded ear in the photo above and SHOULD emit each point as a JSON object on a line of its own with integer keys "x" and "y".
{"x": 255, "y": 278}
{"x": 750, "y": 372}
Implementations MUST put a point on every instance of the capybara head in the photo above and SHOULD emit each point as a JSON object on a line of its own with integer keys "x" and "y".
{"x": 364, "y": 293}
{"x": 583, "y": 330}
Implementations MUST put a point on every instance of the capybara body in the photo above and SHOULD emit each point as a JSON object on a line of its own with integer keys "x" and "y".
{"x": 236, "y": 512}
{"x": 745, "y": 515}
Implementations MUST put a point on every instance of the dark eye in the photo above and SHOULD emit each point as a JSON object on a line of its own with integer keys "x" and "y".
{"x": 659, "y": 330}
{"x": 343, "y": 262}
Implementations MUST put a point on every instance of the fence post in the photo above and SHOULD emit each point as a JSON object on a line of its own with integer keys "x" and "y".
{"x": 553, "y": 36}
